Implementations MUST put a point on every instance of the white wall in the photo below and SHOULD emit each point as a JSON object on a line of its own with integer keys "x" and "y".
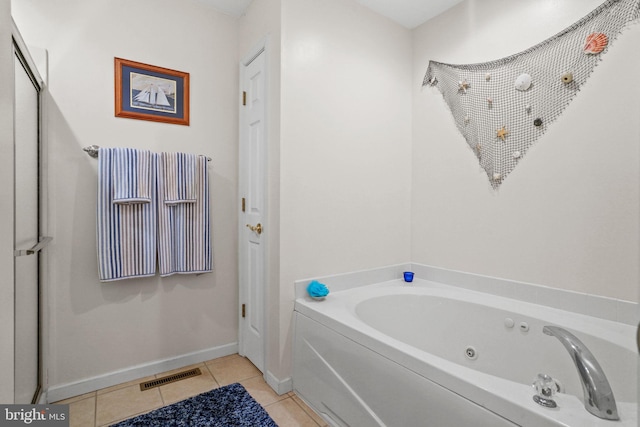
{"x": 6, "y": 207}
{"x": 567, "y": 216}
{"x": 339, "y": 142}
{"x": 345, "y": 145}
{"x": 95, "y": 328}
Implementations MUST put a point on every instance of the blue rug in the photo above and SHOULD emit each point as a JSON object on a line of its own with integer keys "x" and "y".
{"x": 229, "y": 406}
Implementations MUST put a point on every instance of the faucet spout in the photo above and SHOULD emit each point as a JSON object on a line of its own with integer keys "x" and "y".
{"x": 598, "y": 396}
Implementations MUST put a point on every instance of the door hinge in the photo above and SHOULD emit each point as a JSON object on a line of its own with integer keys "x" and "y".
{"x": 244, "y": 313}
{"x": 244, "y": 97}
{"x": 243, "y": 204}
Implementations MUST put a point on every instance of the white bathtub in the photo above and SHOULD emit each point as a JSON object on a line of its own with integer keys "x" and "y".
{"x": 394, "y": 354}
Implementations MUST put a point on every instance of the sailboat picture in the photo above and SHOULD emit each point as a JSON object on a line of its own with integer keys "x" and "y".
{"x": 149, "y": 92}
{"x": 152, "y": 93}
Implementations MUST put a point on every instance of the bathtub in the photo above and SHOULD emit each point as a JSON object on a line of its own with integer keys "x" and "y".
{"x": 428, "y": 354}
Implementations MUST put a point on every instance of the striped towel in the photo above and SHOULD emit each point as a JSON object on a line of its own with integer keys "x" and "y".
{"x": 131, "y": 176}
{"x": 180, "y": 180}
{"x": 126, "y": 233}
{"x": 184, "y": 232}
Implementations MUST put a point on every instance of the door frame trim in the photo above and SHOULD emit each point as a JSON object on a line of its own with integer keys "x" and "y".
{"x": 262, "y": 47}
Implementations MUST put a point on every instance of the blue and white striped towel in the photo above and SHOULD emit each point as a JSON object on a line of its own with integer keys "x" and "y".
{"x": 126, "y": 233}
{"x": 180, "y": 180}
{"x": 131, "y": 176}
{"x": 184, "y": 231}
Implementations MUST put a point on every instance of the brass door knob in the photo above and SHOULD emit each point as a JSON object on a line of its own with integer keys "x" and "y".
{"x": 256, "y": 229}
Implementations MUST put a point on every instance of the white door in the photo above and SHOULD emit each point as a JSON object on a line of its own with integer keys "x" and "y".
{"x": 252, "y": 213}
{"x": 26, "y": 217}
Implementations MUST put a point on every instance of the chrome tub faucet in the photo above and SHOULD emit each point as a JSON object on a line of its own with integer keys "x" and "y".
{"x": 598, "y": 396}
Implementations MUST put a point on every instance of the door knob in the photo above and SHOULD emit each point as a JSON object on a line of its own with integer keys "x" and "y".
{"x": 257, "y": 228}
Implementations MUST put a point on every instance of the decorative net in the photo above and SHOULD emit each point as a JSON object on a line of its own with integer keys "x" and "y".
{"x": 502, "y": 107}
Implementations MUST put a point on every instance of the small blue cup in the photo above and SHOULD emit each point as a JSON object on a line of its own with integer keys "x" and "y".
{"x": 408, "y": 276}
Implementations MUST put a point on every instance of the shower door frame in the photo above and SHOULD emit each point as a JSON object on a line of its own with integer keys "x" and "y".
{"x": 22, "y": 58}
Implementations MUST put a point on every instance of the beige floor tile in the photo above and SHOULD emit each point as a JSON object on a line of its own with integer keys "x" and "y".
{"x": 287, "y": 413}
{"x": 232, "y": 369}
{"x": 82, "y": 413}
{"x": 127, "y": 384}
{"x": 75, "y": 399}
{"x": 125, "y": 402}
{"x": 260, "y": 391}
{"x": 110, "y": 423}
{"x": 183, "y": 389}
{"x": 225, "y": 358}
{"x": 308, "y": 410}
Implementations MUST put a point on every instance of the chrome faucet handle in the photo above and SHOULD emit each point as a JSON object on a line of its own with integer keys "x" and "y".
{"x": 546, "y": 387}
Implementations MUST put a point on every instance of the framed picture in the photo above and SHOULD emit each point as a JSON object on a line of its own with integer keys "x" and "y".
{"x": 147, "y": 92}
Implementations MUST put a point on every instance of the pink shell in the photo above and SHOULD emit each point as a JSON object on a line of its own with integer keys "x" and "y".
{"x": 595, "y": 43}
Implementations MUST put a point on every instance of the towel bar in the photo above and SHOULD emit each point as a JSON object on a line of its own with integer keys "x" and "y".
{"x": 92, "y": 150}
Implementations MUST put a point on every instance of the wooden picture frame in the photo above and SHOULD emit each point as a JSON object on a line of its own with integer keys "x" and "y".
{"x": 147, "y": 92}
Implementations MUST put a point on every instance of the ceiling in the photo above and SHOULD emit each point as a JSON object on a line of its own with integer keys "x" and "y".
{"x": 408, "y": 13}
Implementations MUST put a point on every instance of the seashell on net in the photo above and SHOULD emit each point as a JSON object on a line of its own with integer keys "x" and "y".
{"x": 595, "y": 43}
{"x": 523, "y": 82}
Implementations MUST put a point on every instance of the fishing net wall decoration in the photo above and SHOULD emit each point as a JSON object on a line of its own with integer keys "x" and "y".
{"x": 502, "y": 107}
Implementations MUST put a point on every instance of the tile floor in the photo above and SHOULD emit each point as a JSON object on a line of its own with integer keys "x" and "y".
{"x": 110, "y": 405}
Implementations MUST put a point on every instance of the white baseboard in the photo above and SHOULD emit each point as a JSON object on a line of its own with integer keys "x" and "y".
{"x": 60, "y": 392}
{"x": 279, "y": 386}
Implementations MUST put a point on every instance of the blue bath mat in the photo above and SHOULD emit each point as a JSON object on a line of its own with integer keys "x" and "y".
{"x": 229, "y": 406}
